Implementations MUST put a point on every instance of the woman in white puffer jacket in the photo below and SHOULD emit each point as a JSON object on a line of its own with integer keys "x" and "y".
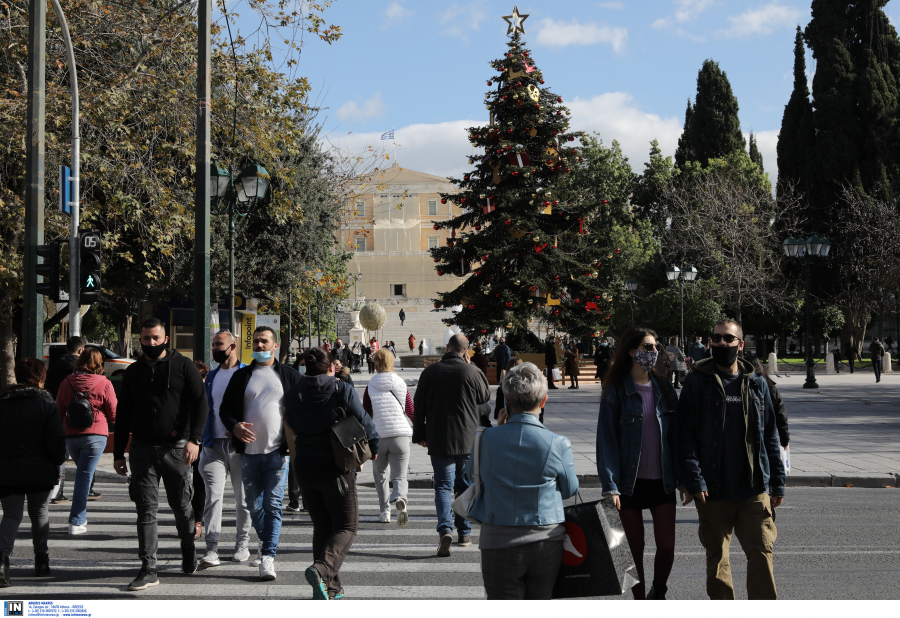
{"x": 388, "y": 402}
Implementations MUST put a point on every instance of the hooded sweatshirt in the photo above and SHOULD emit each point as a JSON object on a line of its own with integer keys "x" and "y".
{"x": 99, "y": 392}
{"x": 310, "y": 409}
{"x": 163, "y": 402}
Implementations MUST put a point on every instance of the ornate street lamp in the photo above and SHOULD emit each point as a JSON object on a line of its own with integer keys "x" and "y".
{"x": 812, "y": 247}
{"x": 673, "y": 273}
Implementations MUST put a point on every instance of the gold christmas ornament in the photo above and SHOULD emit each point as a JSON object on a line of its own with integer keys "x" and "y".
{"x": 533, "y": 92}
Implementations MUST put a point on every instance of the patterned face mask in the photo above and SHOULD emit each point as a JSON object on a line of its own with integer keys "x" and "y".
{"x": 646, "y": 359}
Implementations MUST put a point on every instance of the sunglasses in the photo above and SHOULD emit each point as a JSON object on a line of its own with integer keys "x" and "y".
{"x": 646, "y": 346}
{"x": 726, "y": 338}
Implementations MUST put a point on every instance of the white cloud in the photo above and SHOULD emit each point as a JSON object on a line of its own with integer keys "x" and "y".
{"x": 612, "y": 6}
{"x": 373, "y": 108}
{"x": 561, "y": 34}
{"x": 396, "y": 13}
{"x": 463, "y": 20}
{"x": 762, "y": 20}
{"x": 686, "y": 11}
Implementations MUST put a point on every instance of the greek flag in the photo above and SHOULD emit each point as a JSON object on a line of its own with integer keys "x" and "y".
{"x": 388, "y": 134}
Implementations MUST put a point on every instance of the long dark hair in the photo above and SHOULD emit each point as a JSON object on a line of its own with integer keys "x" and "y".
{"x": 622, "y": 362}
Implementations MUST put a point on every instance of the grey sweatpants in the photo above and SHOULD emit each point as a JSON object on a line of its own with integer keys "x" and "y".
{"x": 394, "y": 452}
{"x": 38, "y": 513}
{"x": 217, "y": 462}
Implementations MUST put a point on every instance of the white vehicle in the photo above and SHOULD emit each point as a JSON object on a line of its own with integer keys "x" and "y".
{"x": 113, "y": 364}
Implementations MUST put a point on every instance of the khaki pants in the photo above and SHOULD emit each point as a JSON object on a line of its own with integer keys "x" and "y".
{"x": 753, "y": 521}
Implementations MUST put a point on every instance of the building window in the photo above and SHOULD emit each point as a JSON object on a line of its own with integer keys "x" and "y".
{"x": 360, "y": 208}
{"x": 432, "y": 207}
{"x": 360, "y": 242}
{"x": 432, "y": 242}
{"x": 398, "y": 289}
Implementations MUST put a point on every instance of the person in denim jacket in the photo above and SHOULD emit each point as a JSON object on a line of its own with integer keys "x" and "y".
{"x": 526, "y": 472}
{"x": 636, "y": 452}
{"x": 730, "y": 463}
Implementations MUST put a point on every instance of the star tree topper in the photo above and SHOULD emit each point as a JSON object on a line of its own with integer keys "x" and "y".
{"x": 516, "y": 21}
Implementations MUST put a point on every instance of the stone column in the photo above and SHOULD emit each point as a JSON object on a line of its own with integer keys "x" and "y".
{"x": 773, "y": 363}
{"x": 829, "y": 363}
{"x": 886, "y": 364}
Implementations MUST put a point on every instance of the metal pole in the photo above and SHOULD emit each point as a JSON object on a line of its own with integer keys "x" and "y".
{"x": 231, "y": 268}
{"x": 201, "y": 187}
{"x": 319, "y": 318}
{"x": 632, "y": 309}
{"x": 308, "y": 326}
{"x": 290, "y": 335}
{"x": 810, "y": 363}
{"x": 681, "y": 288}
{"x": 74, "y": 262}
{"x": 32, "y": 302}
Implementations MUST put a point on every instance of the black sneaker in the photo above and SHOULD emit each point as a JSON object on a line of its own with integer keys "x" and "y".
{"x": 444, "y": 547}
{"x": 464, "y": 541}
{"x": 293, "y": 507}
{"x": 59, "y": 499}
{"x": 146, "y": 579}
{"x": 657, "y": 592}
{"x": 42, "y": 565}
{"x": 189, "y": 560}
{"x": 94, "y": 495}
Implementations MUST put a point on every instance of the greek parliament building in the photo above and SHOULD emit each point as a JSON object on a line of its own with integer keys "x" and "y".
{"x": 389, "y": 227}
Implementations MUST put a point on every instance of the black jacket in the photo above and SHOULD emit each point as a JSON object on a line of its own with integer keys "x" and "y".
{"x": 781, "y": 419}
{"x": 550, "y": 354}
{"x": 448, "y": 406}
{"x": 309, "y": 409}
{"x": 162, "y": 401}
{"x": 32, "y": 439}
{"x": 231, "y": 411}
{"x": 343, "y": 355}
{"x": 60, "y": 370}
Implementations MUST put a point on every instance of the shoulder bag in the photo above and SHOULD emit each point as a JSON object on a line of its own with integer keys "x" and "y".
{"x": 465, "y": 502}
{"x": 349, "y": 442}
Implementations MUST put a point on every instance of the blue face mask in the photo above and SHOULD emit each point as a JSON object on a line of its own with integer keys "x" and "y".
{"x": 302, "y": 369}
{"x": 604, "y": 344}
{"x": 262, "y": 356}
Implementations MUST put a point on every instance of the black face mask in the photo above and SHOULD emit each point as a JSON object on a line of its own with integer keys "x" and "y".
{"x": 153, "y": 351}
{"x": 220, "y": 356}
{"x": 724, "y": 355}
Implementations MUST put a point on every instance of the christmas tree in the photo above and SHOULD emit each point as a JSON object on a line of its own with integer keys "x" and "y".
{"x": 522, "y": 244}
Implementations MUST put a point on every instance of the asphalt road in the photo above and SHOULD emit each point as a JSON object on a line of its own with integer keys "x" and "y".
{"x": 833, "y": 543}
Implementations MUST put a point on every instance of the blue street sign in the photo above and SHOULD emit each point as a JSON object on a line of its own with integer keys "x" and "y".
{"x": 65, "y": 190}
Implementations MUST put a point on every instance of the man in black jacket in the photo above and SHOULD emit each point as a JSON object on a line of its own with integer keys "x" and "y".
{"x": 550, "y": 361}
{"x": 253, "y": 411}
{"x": 58, "y": 372}
{"x": 448, "y": 409}
{"x": 163, "y": 406}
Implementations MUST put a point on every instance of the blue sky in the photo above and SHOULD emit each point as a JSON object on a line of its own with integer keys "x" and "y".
{"x": 625, "y": 68}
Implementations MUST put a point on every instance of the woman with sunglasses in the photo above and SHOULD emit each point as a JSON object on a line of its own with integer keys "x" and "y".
{"x": 636, "y": 451}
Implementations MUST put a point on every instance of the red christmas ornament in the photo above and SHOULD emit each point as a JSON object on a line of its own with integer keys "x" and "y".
{"x": 587, "y": 274}
{"x": 559, "y": 113}
{"x": 504, "y": 97}
{"x": 597, "y": 296}
{"x": 574, "y": 151}
{"x": 508, "y": 304}
{"x": 534, "y": 288}
{"x": 604, "y": 202}
{"x": 508, "y": 222}
{"x": 617, "y": 249}
{"x": 580, "y": 159}
{"x": 515, "y": 173}
{"x": 484, "y": 258}
{"x": 466, "y": 177}
{"x": 483, "y": 331}
{"x": 572, "y": 138}
{"x": 559, "y": 99}
{"x": 556, "y": 277}
{"x": 440, "y": 272}
{"x": 537, "y": 105}
{"x": 435, "y": 305}
{"x": 607, "y": 317}
{"x": 471, "y": 306}
{"x": 489, "y": 83}
{"x": 568, "y": 170}
{"x": 554, "y": 133}
{"x": 435, "y": 260}
{"x": 556, "y": 312}
{"x": 477, "y": 228}
{"x": 436, "y": 226}
{"x": 449, "y": 243}
{"x": 443, "y": 200}
{"x": 542, "y": 81}
{"x": 546, "y": 204}
{"x": 462, "y": 201}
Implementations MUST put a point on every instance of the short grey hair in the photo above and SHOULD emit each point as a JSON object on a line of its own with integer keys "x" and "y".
{"x": 524, "y": 387}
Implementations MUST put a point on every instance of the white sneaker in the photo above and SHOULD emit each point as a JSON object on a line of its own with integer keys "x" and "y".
{"x": 385, "y": 517}
{"x": 267, "y": 569}
{"x": 258, "y": 560}
{"x": 402, "y": 514}
{"x": 78, "y": 529}
{"x": 241, "y": 554}
{"x": 210, "y": 559}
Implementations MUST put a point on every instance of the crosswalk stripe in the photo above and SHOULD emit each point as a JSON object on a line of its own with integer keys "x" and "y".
{"x": 125, "y": 506}
{"x": 398, "y": 549}
{"x": 227, "y": 567}
{"x": 167, "y": 519}
{"x": 286, "y": 530}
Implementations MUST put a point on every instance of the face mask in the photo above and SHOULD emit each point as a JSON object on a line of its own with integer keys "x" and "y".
{"x": 724, "y": 355}
{"x": 262, "y": 356}
{"x": 220, "y": 356}
{"x": 302, "y": 369}
{"x": 153, "y": 351}
{"x": 647, "y": 360}
{"x": 604, "y": 344}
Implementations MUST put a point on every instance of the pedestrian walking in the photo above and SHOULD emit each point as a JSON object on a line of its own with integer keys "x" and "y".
{"x": 502, "y": 354}
{"x": 390, "y": 346}
{"x": 448, "y": 410}
{"x": 412, "y": 343}
{"x": 781, "y": 419}
{"x": 253, "y": 409}
{"x": 479, "y": 359}
{"x": 312, "y": 407}
{"x": 341, "y": 352}
{"x": 219, "y": 459}
{"x": 730, "y": 465}
{"x": 876, "y": 350}
{"x": 836, "y": 356}
{"x": 87, "y": 407}
{"x": 58, "y": 372}
{"x": 550, "y": 361}
{"x": 164, "y": 409}
{"x": 402, "y": 317}
{"x": 572, "y": 365}
{"x": 32, "y": 447}
{"x": 526, "y": 473}
{"x": 636, "y": 433}
{"x": 369, "y": 351}
{"x": 421, "y": 347}
{"x": 697, "y": 351}
{"x": 603, "y": 356}
{"x": 676, "y": 361}
{"x": 850, "y": 354}
{"x": 387, "y": 400}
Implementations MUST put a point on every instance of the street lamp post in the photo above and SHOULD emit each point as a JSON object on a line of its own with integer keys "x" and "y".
{"x": 236, "y": 197}
{"x": 814, "y": 246}
{"x": 632, "y": 285}
{"x": 673, "y": 273}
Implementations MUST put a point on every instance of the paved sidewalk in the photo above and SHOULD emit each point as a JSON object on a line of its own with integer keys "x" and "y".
{"x": 847, "y": 432}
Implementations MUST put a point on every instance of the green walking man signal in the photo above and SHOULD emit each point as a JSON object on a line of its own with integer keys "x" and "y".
{"x": 90, "y": 267}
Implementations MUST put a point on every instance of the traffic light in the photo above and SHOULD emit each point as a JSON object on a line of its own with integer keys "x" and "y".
{"x": 89, "y": 267}
{"x": 49, "y": 270}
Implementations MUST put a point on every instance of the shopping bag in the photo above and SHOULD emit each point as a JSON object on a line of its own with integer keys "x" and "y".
{"x": 596, "y": 558}
{"x": 786, "y": 458}
{"x": 557, "y": 374}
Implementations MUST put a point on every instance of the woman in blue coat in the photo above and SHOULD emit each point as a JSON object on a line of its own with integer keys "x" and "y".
{"x": 636, "y": 451}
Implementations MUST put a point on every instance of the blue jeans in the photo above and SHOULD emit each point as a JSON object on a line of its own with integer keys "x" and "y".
{"x": 448, "y": 476}
{"x": 85, "y": 451}
{"x": 265, "y": 477}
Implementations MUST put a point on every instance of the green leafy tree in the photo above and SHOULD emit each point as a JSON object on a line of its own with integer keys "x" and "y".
{"x": 755, "y": 154}
{"x": 659, "y": 172}
{"x": 712, "y": 128}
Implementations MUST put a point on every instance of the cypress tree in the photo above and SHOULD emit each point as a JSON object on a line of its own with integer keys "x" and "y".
{"x": 755, "y": 154}
{"x": 713, "y": 130}
{"x": 797, "y": 135}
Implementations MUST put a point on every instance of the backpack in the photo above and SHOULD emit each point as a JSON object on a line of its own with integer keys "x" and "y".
{"x": 79, "y": 412}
